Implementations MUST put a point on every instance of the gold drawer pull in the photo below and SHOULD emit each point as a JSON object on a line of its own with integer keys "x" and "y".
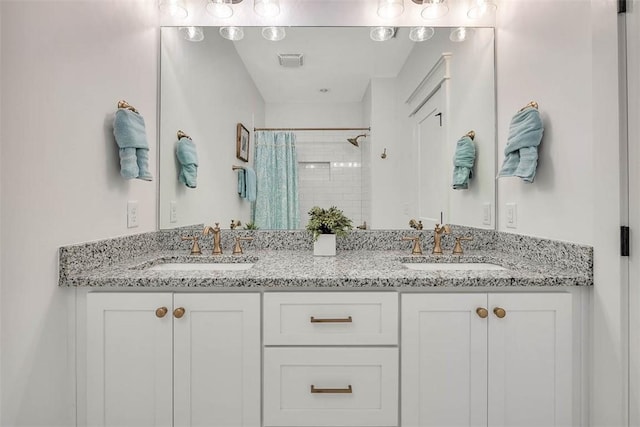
{"x": 338, "y": 320}
{"x": 348, "y": 390}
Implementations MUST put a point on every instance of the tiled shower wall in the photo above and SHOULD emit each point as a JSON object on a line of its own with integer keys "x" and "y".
{"x": 330, "y": 173}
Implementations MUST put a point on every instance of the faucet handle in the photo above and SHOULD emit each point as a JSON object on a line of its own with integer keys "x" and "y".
{"x": 195, "y": 248}
{"x": 235, "y": 223}
{"x": 417, "y": 249}
{"x": 457, "y": 249}
{"x": 237, "y": 249}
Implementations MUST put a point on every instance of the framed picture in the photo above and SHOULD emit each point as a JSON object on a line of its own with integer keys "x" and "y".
{"x": 242, "y": 143}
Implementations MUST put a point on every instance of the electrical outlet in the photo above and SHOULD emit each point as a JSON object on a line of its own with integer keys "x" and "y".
{"x": 132, "y": 214}
{"x": 512, "y": 215}
{"x": 173, "y": 212}
{"x": 486, "y": 213}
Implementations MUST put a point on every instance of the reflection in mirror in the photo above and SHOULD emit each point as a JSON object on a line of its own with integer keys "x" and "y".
{"x": 411, "y": 101}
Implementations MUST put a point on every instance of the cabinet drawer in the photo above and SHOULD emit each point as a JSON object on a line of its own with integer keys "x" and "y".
{"x": 330, "y": 387}
{"x": 331, "y": 318}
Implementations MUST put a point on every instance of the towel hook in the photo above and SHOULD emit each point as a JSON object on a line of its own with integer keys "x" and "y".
{"x": 181, "y": 135}
{"x": 533, "y": 104}
{"x": 126, "y": 105}
{"x": 471, "y": 134}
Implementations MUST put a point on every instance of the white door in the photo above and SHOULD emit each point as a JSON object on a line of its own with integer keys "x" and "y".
{"x": 444, "y": 360}
{"x": 129, "y": 380}
{"x": 530, "y": 360}
{"x": 434, "y": 167}
{"x": 633, "y": 131}
{"x": 217, "y": 360}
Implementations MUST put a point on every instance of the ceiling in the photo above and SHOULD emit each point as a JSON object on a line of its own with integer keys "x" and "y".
{"x": 342, "y": 60}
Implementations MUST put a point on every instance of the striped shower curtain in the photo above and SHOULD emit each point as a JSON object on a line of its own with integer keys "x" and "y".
{"x": 276, "y": 166}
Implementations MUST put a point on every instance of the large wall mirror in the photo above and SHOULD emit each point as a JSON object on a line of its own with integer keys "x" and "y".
{"x": 404, "y": 104}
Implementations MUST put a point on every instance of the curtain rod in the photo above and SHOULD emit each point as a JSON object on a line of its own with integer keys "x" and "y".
{"x": 304, "y": 129}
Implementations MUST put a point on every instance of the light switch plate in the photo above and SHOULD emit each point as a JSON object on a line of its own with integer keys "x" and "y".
{"x": 486, "y": 213}
{"x": 512, "y": 215}
{"x": 173, "y": 212}
{"x": 132, "y": 213}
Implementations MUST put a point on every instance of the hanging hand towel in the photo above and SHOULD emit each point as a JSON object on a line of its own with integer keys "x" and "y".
{"x": 521, "y": 152}
{"x": 188, "y": 158}
{"x": 463, "y": 162}
{"x": 128, "y": 128}
{"x": 251, "y": 184}
{"x": 242, "y": 183}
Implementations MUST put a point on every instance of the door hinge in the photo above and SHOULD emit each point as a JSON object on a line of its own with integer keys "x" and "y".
{"x": 440, "y": 116}
{"x": 624, "y": 240}
{"x": 622, "y": 6}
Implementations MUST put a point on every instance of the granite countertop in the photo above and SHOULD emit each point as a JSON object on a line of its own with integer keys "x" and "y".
{"x": 275, "y": 269}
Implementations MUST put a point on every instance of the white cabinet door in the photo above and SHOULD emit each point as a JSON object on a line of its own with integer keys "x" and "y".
{"x": 530, "y": 362}
{"x": 444, "y": 360}
{"x": 217, "y": 360}
{"x": 129, "y": 367}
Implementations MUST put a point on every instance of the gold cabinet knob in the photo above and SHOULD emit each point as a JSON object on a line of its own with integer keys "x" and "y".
{"x": 178, "y": 312}
{"x": 482, "y": 312}
{"x": 161, "y": 312}
{"x": 499, "y": 312}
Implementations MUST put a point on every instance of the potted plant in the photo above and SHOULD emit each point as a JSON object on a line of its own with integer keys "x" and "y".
{"x": 326, "y": 224}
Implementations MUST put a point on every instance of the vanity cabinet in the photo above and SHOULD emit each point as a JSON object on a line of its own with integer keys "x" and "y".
{"x": 173, "y": 359}
{"x": 331, "y": 359}
{"x": 498, "y": 359}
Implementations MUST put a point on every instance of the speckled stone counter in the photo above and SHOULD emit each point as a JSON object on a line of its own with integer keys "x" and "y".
{"x": 364, "y": 260}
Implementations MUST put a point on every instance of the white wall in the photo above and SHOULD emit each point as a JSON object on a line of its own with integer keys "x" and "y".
{"x": 570, "y": 67}
{"x": 546, "y": 57}
{"x": 65, "y": 65}
{"x": 205, "y": 95}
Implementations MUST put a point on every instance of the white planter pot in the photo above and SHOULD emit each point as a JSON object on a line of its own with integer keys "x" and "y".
{"x": 325, "y": 245}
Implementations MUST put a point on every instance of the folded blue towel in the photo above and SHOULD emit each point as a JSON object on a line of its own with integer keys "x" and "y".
{"x": 188, "y": 158}
{"x": 521, "y": 152}
{"x": 128, "y": 128}
{"x": 242, "y": 184}
{"x": 463, "y": 162}
{"x": 251, "y": 184}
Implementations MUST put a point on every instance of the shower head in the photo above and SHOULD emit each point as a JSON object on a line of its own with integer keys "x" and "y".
{"x": 354, "y": 141}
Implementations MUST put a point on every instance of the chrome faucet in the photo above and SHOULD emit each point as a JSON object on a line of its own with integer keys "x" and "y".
{"x": 217, "y": 250}
{"x": 437, "y": 236}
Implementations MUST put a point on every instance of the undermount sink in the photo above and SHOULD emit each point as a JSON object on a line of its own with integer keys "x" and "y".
{"x": 202, "y": 266}
{"x": 432, "y": 266}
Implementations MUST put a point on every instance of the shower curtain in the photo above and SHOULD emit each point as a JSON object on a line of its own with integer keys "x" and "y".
{"x": 276, "y": 166}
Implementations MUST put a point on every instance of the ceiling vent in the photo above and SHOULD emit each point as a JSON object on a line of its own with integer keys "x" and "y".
{"x": 291, "y": 60}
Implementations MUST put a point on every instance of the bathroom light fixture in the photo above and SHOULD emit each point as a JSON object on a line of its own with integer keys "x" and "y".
{"x": 274, "y": 33}
{"x": 420, "y": 34}
{"x": 460, "y": 34}
{"x": 434, "y": 9}
{"x": 380, "y": 34}
{"x": 267, "y": 8}
{"x": 173, "y": 8}
{"x": 479, "y": 8}
{"x": 390, "y": 8}
{"x": 219, "y": 8}
{"x": 232, "y": 33}
{"x": 193, "y": 34}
